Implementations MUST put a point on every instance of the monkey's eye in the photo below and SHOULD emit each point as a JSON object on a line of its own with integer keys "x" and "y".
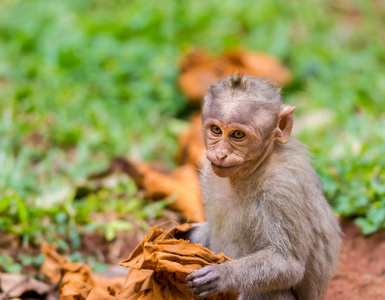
{"x": 215, "y": 129}
{"x": 238, "y": 134}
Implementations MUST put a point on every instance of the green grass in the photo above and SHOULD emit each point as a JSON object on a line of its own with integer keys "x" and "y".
{"x": 83, "y": 81}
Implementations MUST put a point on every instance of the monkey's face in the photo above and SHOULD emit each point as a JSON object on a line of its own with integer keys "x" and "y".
{"x": 242, "y": 119}
{"x": 232, "y": 148}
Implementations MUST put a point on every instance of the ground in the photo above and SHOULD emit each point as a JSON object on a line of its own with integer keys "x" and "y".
{"x": 361, "y": 272}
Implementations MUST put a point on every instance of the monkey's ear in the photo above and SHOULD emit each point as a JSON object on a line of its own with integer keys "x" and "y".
{"x": 284, "y": 124}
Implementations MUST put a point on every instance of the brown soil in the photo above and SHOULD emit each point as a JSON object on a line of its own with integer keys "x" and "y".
{"x": 362, "y": 266}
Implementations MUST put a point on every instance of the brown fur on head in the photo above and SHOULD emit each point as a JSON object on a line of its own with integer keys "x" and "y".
{"x": 242, "y": 119}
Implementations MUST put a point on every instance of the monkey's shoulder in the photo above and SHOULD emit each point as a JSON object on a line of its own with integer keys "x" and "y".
{"x": 290, "y": 170}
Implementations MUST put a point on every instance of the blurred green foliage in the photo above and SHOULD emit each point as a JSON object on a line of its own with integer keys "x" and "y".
{"x": 82, "y": 81}
{"x": 53, "y": 223}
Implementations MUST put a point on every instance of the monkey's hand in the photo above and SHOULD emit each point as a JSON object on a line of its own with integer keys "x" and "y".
{"x": 207, "y": 281}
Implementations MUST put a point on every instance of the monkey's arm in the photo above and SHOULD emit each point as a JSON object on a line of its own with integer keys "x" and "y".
{"x": 199, "y": 234}
{"x": 280, "y": 264}
{"x": 265, "y": 270}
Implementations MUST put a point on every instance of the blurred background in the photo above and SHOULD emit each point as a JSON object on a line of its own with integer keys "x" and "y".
{"x": 82, "y": 82}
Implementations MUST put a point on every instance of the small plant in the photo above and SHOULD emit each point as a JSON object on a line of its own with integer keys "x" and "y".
{"x": 351, "y": 165}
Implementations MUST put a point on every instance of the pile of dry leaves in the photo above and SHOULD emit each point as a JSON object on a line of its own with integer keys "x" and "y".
{"x": 158, "y": 267}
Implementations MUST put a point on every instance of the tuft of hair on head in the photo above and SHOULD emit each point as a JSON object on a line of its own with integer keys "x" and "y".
{"x": 238, "y": 82}
{"x": 258, "y": 90}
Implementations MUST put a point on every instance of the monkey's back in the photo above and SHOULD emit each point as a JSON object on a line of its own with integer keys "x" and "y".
{"x": 243, "y": 216}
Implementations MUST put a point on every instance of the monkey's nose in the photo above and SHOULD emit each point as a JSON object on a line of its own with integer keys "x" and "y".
{"x": 221, "y": 155}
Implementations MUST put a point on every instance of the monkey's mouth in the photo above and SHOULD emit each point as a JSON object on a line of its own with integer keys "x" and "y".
{"x": 224, "y": 167}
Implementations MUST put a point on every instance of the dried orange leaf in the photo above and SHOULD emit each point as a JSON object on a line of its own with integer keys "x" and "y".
{"x": 52, "y": 264}
{"x": 15, "y": 285}
{"x": 159, "y": 266}
{"x": 181, "y": 182}
{"x": 199, "y": 71}
{"x": 76, "y": 280}
{"x": 191, "y": 145}
{"x": 170, "y": 260}
{"x": 258, "y": 64}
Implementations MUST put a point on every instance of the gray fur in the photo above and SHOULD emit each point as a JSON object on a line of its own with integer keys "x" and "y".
{"x": 275, "y": 223}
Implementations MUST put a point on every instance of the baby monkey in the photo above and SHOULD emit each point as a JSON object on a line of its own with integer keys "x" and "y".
{"x": 264, "y": 202}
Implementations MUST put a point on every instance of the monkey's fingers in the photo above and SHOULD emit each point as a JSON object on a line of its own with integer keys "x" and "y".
{"x": 198, "y": 279}
{"x": 199, "y": 273}
{"x": 203, "y": 282}
{"x": 204, "y": 288}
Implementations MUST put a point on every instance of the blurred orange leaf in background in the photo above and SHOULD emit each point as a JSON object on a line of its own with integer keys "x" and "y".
{"x": 199, "y": 70}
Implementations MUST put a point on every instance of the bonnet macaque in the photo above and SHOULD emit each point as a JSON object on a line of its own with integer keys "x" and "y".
{"x": 264, "y": 202}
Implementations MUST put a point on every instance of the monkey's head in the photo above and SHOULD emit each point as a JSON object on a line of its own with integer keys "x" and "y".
{"x": 242, "y": 118}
